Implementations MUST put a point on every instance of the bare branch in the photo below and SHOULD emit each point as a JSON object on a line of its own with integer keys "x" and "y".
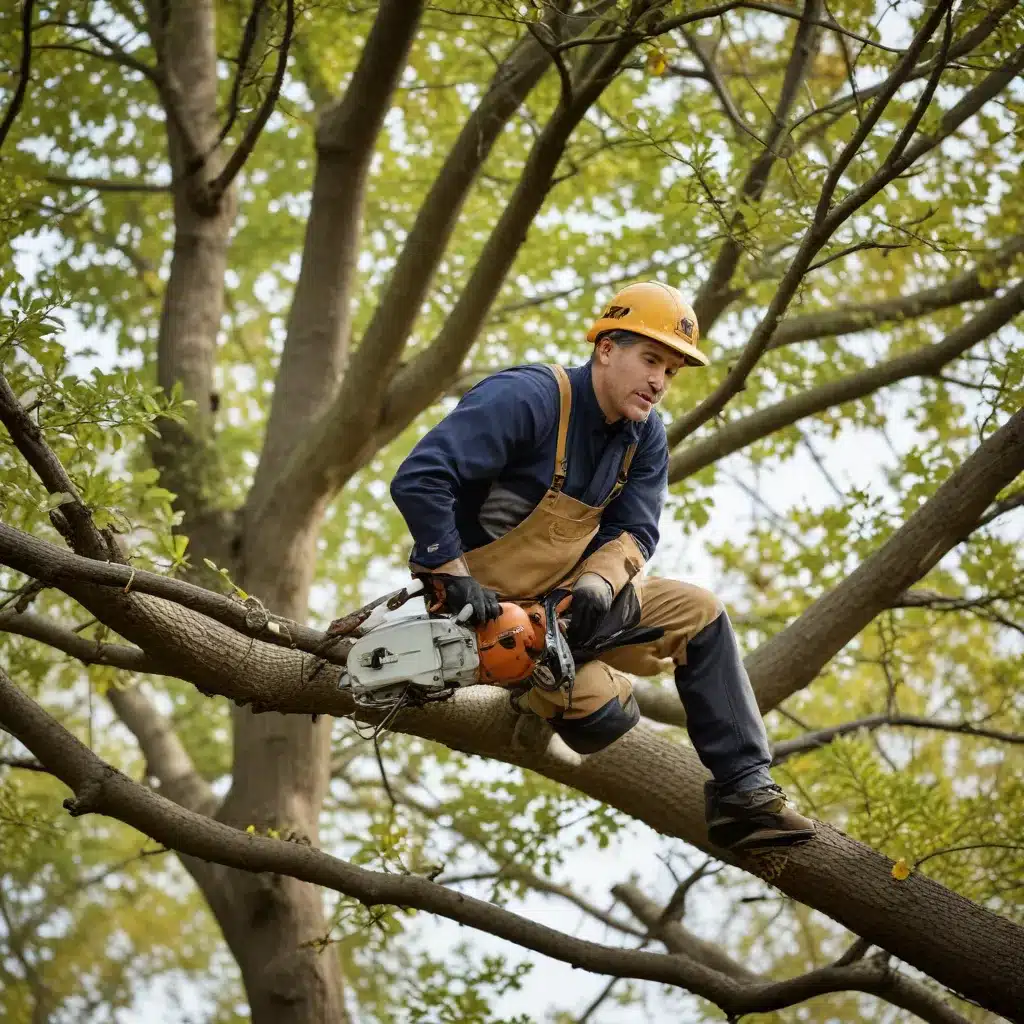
{"x": 24, "y": 68}
{"x": 88, "y": 652}
{"x": 850, "y": 250}
{"x": 921, "y": 362}
{"x": 1000, "y": 508}
{"x": 873, "y": 976}
{"x": 105, "y": 184}
{"x": 27, "y": 764}
{"x": 101, "y": 789}
{"x": 237, "y": 160}
{"x": 864, "y": 316}
{"x": 792, "y": 658}
{"x": 718, "y": 85}
{"x": 71, "y": 519}
{"x": 823, "y": 737}
{"x": 245, "y": 46}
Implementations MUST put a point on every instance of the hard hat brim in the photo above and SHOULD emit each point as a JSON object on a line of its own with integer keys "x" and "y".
{"x": 692, "y": 354}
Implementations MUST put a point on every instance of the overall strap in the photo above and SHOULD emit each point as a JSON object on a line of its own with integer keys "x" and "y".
{"x": 620, "y": 482}
{"x": 565, "y": 396}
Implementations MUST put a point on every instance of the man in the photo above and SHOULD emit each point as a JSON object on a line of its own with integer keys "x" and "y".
{"x": 544, "y": 478}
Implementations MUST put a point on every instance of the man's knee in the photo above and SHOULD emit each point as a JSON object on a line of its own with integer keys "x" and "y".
{"x": 599, "y": 710}
{"x": 601, "y": 728}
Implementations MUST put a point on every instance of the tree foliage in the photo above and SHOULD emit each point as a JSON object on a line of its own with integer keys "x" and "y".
{"x": 251, "y": 252}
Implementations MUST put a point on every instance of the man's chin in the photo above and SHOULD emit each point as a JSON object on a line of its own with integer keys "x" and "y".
{"x": 637, "y": 411}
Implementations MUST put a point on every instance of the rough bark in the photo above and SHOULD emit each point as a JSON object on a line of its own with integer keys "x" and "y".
{"x": 184, "y": 37}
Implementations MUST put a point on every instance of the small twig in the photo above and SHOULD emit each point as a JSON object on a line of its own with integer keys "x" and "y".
{"x": 859, "y": 247}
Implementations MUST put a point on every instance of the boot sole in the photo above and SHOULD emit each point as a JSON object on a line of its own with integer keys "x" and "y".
{"x": 772, "y": 840}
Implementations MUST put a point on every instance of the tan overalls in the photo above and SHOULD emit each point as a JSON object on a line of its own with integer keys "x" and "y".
{"x": 544, "y": 551}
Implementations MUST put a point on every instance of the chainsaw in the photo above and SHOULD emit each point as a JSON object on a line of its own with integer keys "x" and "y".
{"x": 435, "y": 652}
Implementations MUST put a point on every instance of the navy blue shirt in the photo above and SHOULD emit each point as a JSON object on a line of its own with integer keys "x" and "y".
{"x": 499, "y": 443}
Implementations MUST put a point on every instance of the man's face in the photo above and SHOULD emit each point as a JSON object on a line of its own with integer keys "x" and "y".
{"x": 634, "y": 378}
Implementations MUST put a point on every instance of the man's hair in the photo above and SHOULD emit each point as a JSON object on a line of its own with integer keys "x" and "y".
{"x": 620, "y": 337}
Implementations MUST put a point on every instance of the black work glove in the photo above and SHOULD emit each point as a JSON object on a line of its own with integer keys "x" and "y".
{"x": 462, "y": 590}
{"x": 591, "y": 598}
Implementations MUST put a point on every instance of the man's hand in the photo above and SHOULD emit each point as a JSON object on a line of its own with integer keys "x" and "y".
{"x": 462, "y": 590}
{"x": 591, "y": 598}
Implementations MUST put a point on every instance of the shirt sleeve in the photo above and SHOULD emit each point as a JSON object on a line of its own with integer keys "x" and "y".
{"x": 637, "y": 509}
{"x": 509, "y": 411}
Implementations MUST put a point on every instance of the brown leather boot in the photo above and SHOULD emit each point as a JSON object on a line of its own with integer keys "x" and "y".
{"x": 758, "y": 819}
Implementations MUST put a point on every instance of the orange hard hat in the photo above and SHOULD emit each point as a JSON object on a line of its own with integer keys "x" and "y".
{"x": 657, "y": 311}
{"x": 508, "y": 646}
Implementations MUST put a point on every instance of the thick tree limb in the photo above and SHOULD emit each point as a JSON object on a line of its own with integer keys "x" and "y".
{"x": 24, "y": 67}
{"x": 924, "y": 361}
{"x": 316, "y": 347}
{"x": 792, "y": 658}
{"x": 864, "y": 316}
{"x": 874, "y": 976}
{"x": 70, "y": 572}
{"x": 99, "y": 788}
{"x": 644, "y": 774}
{"x": 822, "y": 737}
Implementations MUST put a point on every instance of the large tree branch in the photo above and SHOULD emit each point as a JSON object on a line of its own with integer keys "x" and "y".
{"x": 978, "y": 283}
{"x": 24, "y": 66}
{"x": 792, "y": 658}
{"x": 924, "y": 361}
{"x": 874, "y": 975}
{"x": 836, "y": 875}
{"x": 69, "y": 572}
{"x": 317, "y": 342}
{"x": 823, "y": 737}
{"x": 99, "y": 788}
{"x": 388, "y": 330}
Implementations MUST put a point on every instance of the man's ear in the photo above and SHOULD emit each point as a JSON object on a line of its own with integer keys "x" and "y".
{"x": 603, "y": 350}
